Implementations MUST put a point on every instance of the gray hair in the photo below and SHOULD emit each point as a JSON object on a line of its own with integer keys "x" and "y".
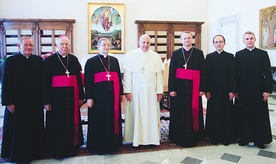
{"x": 102, "y": 39}
{"x": 20, "y": 41}
{"x": 60, "y": 37}
{"x": 249, "y": 32}
{"x": 143, "y": 36}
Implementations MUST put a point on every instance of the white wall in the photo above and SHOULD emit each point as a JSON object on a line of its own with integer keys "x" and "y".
{"x": 188, "y": 10}
{"x": 248, "y": 13}
{"x": 208, "y": 11}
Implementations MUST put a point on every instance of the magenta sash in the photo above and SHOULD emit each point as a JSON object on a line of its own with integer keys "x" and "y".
{"x": 65, "y": 81}
{"x": 193, "y": 75}
{"x": 102, "y": 76}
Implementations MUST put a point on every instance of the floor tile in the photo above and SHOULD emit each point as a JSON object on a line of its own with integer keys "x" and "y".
{"x": 230, "y": 157}
{"x": 190, "y": 160}
{"x": 268, "y": 154}
{"x": 149, "y": 162}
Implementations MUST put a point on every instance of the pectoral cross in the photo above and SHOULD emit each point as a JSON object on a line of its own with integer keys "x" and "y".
{"x": 108, "y": 76}
{"x": 67, "y": 73}
{"x": 185, "y": 65}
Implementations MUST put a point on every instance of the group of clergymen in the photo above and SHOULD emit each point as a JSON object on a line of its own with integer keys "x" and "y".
{"x": 236, "y": 87}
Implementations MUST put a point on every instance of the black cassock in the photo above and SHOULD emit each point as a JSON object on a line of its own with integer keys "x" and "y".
{"x": 61, "y": 139}
{"x": 220, "y": 81}
{"x": 23, "y": 131}
{"x": 181, "y": 129}
{"x": 254, "y": 78}
{"x": 102, "y": 137}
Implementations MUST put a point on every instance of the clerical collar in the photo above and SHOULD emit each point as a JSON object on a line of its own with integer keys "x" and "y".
{"x": 63, "y": 56}
{"x": 103, "y": 55}
{"x": 187, "y": 49}
{"x": 27, "y": 57}
{"x": 219, "y": 52}
{"x": 144, "y": 51}
{"x": 250, "y": 49}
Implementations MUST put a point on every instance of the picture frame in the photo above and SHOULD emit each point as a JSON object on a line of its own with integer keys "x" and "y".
{"x": 106, "y": 20}
{"x": 268, "y": 28}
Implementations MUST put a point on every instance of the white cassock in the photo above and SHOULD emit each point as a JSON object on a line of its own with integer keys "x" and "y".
{"x": 143, "y": 79}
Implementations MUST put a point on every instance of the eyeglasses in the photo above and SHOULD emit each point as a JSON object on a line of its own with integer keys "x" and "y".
{"x": 64, "y": 44}
{"x": 217, "y": 42}
{"x": 28, "y": 45}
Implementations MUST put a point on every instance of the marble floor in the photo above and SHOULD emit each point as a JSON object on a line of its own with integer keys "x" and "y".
{"x": 217, "y": 154}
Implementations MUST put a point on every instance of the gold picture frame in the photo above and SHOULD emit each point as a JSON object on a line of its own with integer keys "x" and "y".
{"x": 106, "y": 20}
{"x": 268, "y": 28}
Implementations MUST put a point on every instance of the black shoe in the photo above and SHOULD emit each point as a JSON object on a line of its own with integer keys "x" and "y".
{"x": 151, "y": 146}
{"x": 134, "y": 147}
{"x": 261, "y": 146}
{"x": 213, "y": 142}
{"x": 225, "y": 143}
{"x": 58, "y": 157}
{"x": 100, "y": 153}
{"x": 243, "y": 143}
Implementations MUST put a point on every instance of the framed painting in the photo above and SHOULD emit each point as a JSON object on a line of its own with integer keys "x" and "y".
{"x": 268, "y": 28}
{"x": 106, "y": 20}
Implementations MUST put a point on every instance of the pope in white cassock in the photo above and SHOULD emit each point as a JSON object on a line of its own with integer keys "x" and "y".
{"x": 143, "y": 88}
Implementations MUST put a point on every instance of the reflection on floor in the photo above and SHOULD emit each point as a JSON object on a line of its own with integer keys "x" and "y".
{"x": 217, "y": 154}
